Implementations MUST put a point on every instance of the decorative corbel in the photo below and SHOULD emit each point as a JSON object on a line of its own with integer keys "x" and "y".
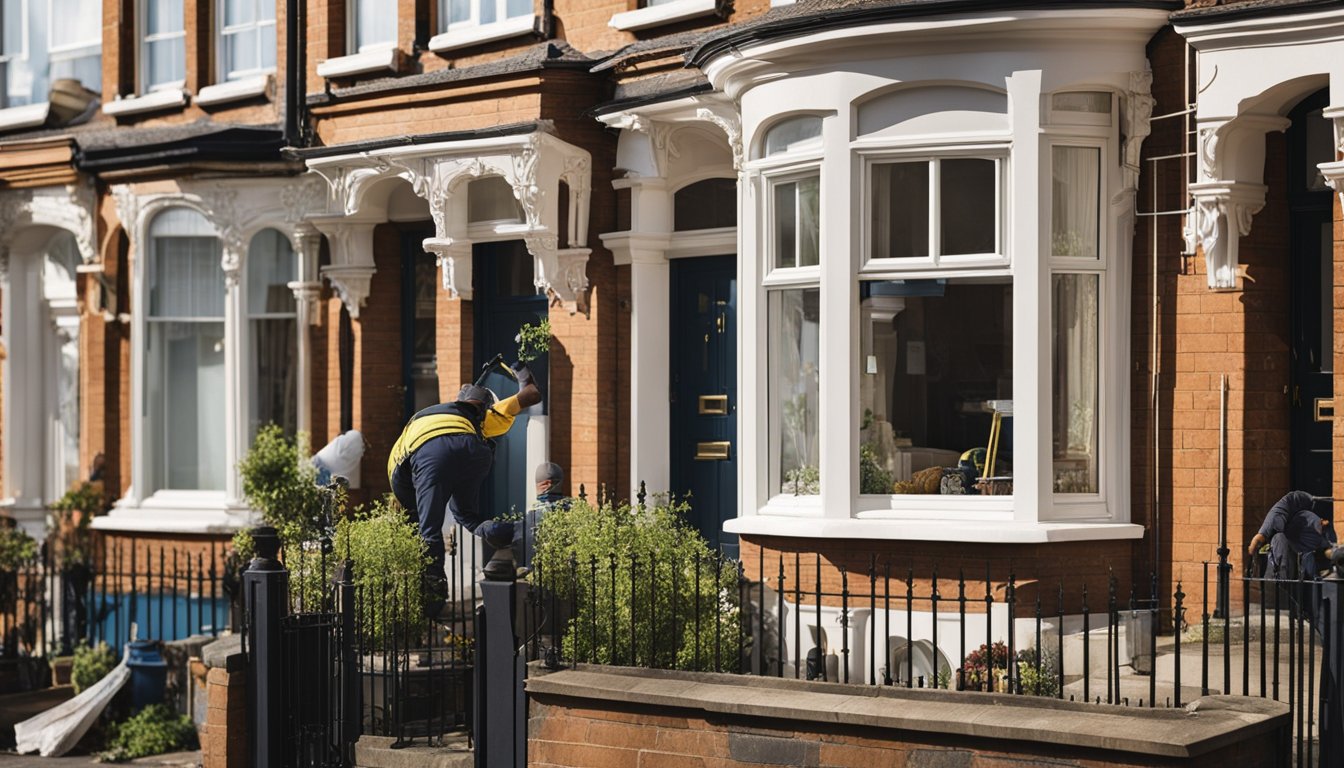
{"x": 352, "y": 267}
{"x": 1224, "y": 211}
{"x": 1136, "y": 122}
{"x": 454, "y": 258}
{"x": 730, "y": 122}
{"x": 1334, "y": 172}
{"x": 561, "y": 273}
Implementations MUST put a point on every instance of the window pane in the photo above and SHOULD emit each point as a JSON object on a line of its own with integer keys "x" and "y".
{"x": 901, "y": 210}
{"x": 792, "y": 134}
{"x": 458, "y": 11}
{"x": 186, "y": 280}
{"x": 786, "y": 225}
{"x": 1075, "y": 197}
{"x": 488, "y": 13}
{"x": 793, "y": 353}
{"x": 239, "y": 11}
{"x": 87, "y": 69}
{"x": 424, "y": 352}
{"x": 274, "y": 384}
{"x": 516, "y": 8}
{"x": 78, "y": 21}
{"x": 266, "y": 44}
{"x": 167, "y": 61}
{"x": 164, "y": 16}
{"x": 270, "y": 268}
{"x": 240, "y": 52}
{"x": 937, "y": 363}
{"x": 185, "y": 405}
{"x": 968, "y": 215}
{"x": 13, "y": 27}
{"x": 375, "y": 23}
{"x": 707, "y": 204}
{"x": 1074, "y": 362}
{"x": 809, "y": 222}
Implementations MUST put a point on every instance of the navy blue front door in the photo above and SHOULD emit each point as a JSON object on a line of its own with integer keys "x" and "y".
{"x": 704, "y": 392}
{"x": 504, "y": 299}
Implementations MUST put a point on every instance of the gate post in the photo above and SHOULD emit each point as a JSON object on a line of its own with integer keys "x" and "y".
{"x": 352, "y": 709}
{"x": 266, "y": 591}
{"x": 501, "y": 706}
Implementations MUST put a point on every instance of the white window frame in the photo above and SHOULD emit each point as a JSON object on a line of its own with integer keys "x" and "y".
{"x": 74, "y": 50}
{"x": 501, "y": 15}
{"x": 222, "y": 32}
{"x": 795, "y": 275}
{"x": 997, "y": 152}
{"x": 143, "y": 39}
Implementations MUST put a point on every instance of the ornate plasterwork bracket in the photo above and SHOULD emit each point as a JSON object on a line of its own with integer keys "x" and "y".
{"x": 730, "y": 122}
{"x": 454, "y": 259}
{"x": 1136, "y": 122}
{"x": 1223, "y": 215}
{"x": 68, "y": 207}
{"x": 1334, "y": 172}
{"x": 562, "y": 273}
{"x": 352, "y": 268}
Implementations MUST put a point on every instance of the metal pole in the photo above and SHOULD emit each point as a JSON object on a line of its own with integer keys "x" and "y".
{"x": 501, "y": 721}
{"x": 1224, "y": 568}
{"x": 266, "y": 587}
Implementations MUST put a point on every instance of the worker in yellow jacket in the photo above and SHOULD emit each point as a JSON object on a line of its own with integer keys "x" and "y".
{"x": 440, "y": 461}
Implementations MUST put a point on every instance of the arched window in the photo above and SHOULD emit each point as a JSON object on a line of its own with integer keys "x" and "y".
{"x": 271, "y": 333}
{"x": 791, "y": 135}
{"x": 184, "y": 354}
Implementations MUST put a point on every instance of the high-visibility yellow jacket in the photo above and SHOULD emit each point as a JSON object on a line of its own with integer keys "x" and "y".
{"x": 450, "y": 419}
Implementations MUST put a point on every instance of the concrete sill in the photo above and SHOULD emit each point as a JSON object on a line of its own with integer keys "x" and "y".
{"x": 359, "y": 63}
{"x": 930, "y": 529}
{"x": 500, "y": 30}
{"x": 27, "y": 116}
{"x": 234, "y": 90}
{"x": 133, "y": 105}
{"x": 656, "y": 15}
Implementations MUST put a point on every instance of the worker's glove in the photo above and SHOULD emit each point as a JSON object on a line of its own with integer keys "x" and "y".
{"x": 522, "y": 373}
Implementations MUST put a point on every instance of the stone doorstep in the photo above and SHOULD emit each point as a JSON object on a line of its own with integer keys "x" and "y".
{"x": 1221, "y": 720}
{"x": 377, "y": 752}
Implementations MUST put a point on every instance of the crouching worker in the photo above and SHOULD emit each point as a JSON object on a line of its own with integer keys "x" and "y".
{"x": 439, "y": 463}
{"x": 1300, "y": 541}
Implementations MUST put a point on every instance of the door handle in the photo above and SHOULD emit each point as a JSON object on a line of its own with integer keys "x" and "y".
{"x": 1324, "y": 409}
{"x": 718, "y": 450}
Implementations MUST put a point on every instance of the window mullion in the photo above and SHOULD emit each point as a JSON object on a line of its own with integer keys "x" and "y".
{"x": 935, "y": 213}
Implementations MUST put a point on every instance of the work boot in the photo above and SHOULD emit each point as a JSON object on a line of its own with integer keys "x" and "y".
{"x": 501, "y": 566}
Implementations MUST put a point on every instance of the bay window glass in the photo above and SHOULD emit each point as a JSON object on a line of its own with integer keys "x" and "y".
{"x": 374, "y": 25}
{"x": 469, "y": 13}
{"x": 164, "y": 45}
{"x": 1075, "y": 201}
{"x": 936, "y": 368}
{"x": 1075, "y": 358}
{"x": 184, "y": 355}
{"x": 792, "y": 134}
{"x": 246, "y": 38}
{"x": 272, "y": 336}
{"x": 940, "y": 207}
{"x": 46, "y": 40}
{"x": 797, "y": 222}
{"x": 793, "y": 351}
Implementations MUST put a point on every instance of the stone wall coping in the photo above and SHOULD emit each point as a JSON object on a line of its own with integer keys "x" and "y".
{"x": 1209, "y": 723}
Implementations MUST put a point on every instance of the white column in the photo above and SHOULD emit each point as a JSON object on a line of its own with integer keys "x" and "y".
{"x": 753, "y": 470}
{"x": 306, "y": 289}
{"x": 236, "y": 366}
{"x": 839, "y": 353}
{"x": 1032, "y": 449}
{"x": 650, "y": 409}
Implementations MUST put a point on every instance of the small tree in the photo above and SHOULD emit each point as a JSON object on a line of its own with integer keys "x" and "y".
{"x": 641, "y": 572}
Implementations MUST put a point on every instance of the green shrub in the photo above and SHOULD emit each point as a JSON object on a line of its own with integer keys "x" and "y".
{"x": 16, "y": 546}
{"x": 389, "y": 559}
{"x": 646, "y": 562}
{"x": 534, "y": 340}
{"x": 280, "y": 482}
{"x": 152, "y": 731}
{"x": 90, "y": 665}
{"x": 873, "y": 477}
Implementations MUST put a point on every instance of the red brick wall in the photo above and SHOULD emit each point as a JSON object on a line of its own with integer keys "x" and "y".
{"x": 224, "y": 736}
{"x": 563, "y": 733}
{"x": 378, "y": 411}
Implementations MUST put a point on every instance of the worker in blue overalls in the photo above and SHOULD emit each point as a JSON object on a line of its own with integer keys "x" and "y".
{"x": 1300, "y": 541}
{"x": 439, "y": 463}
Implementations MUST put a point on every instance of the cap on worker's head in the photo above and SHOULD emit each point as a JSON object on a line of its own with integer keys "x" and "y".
{"x": 477, "y": 394}
{"x": 549, "y": 471}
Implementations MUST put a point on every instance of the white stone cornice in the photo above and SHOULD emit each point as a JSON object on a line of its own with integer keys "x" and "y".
{"x": 1223, "y": 214}
{"x": 454, "y": 258}
{"x": 68, "y": 207}
{"x": 637, "y": 247}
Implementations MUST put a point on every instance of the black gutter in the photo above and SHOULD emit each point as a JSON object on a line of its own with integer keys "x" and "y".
{"x": 234, "y": 145}
{"x": 309, "y": 153}
{"x": 798, "y": 23}
{"x": 295, "y": 72}
{"x": 1247, "y": 10}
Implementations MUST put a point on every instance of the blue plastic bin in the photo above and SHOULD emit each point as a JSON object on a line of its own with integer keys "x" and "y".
{"x": 149, "y": 674}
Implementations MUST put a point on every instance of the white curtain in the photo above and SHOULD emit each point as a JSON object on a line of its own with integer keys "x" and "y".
{"x": 247, "y": 37}
{"x": 165, "y": 43}
{"x": 1076, "y": 197}
{"x": 375, "y": 24}
{"x": 1076, "y": 384}
{"x": 273, "y": 341}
